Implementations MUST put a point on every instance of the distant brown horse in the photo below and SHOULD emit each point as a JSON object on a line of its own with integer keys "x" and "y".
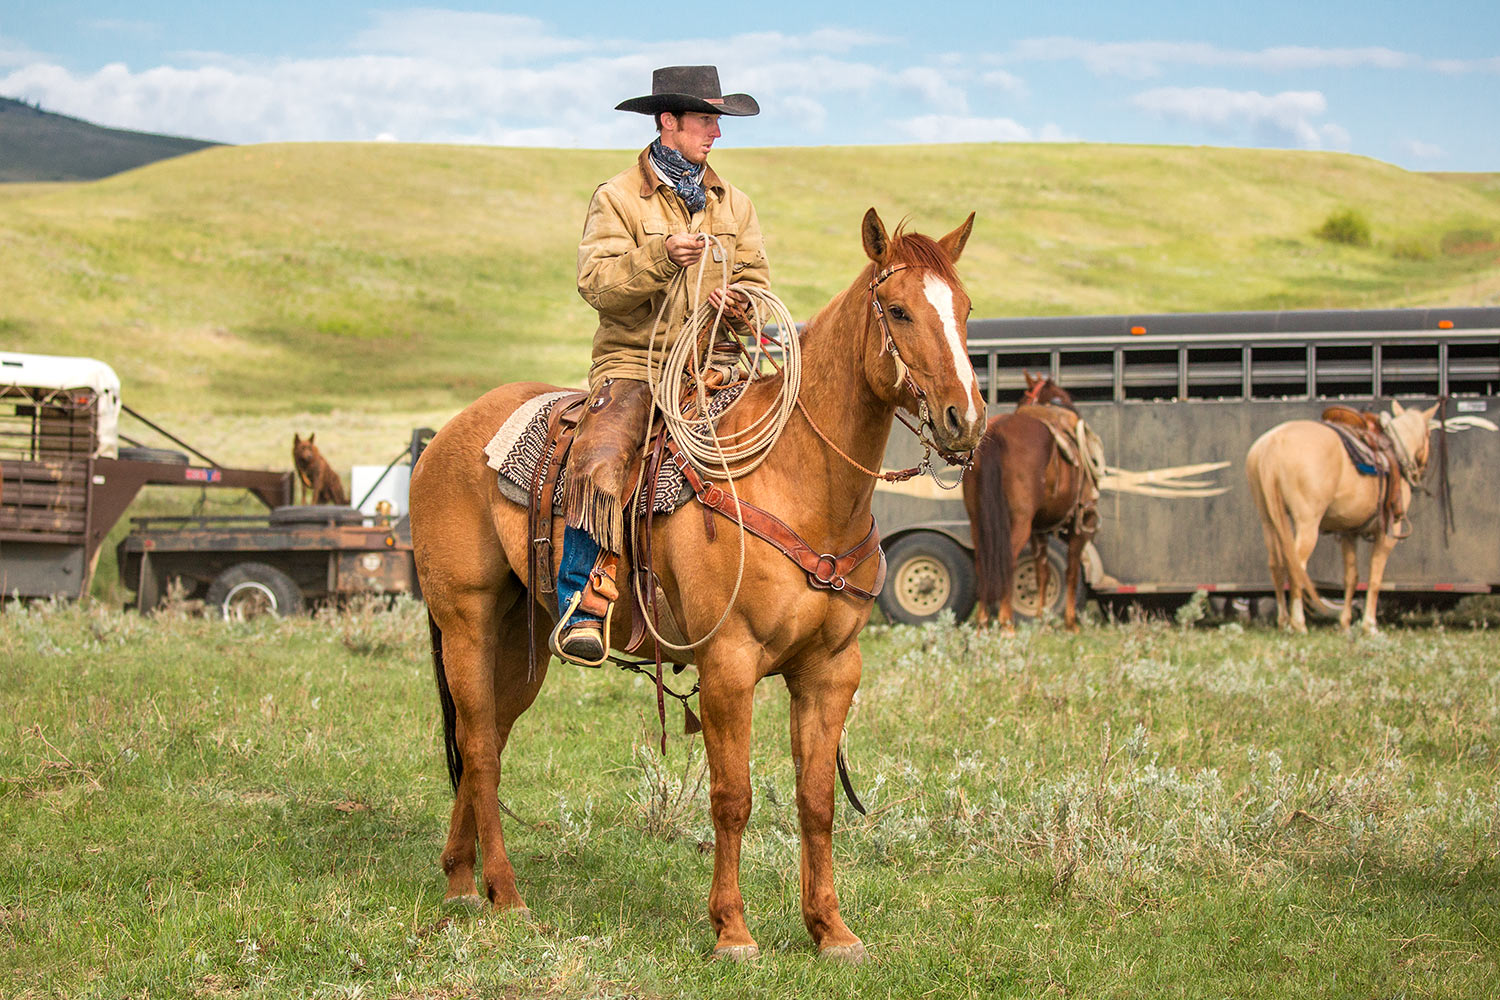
{"x": 1023, "y": 488}
{"x": 473, "y": 557}
{"x": 1304, "y": 483}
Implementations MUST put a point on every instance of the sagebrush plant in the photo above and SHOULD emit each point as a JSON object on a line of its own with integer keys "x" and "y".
{"x": 195, "y": 807}
{"x": 1346, "y": 225}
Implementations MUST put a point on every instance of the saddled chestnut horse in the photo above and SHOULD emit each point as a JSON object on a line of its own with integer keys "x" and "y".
{"x": 1021, "y": 489}
{"x": 1303, "y": 483}
{"x": 472, "y": 555}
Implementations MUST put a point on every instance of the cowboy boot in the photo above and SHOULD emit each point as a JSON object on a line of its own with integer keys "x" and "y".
{"x": 579, "y": 636}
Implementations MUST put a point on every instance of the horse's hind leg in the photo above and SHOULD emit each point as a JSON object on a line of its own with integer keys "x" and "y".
{"x": 1043, "y": 568}
{"x": 1351, "y": 579}
{"x": 1076, "y": 541}
{"x": 1305, "y": 540}
{"x": 1280, "y": 578}
{"x": 1379, "y": 553}
{"x": 485, "y": 657}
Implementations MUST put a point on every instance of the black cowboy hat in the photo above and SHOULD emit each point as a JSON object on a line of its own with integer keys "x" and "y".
{"x": 690, "y": 88}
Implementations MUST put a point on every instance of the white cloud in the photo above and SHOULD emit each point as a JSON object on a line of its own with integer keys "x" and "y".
{"x": 1005, "y": 82}
{"x": 1287, "y": 118}
{"x": 1139, "y": 60}
{"x": 934, "y": 86}
{"x": 966, "y": 128}
{"x": 1424, "y": 150}
{"x": 447, "y": 76}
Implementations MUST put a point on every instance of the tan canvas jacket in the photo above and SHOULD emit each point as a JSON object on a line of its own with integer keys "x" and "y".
{"x": 623, "y": 268}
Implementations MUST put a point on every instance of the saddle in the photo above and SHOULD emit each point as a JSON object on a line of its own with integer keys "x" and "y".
{"x": 666, "y": 477}
{"x": 1373, "y": 454}
{"x": 1079, "y": 446}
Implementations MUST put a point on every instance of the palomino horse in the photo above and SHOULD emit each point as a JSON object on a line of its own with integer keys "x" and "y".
{"x": 1303, "y": 483}
{"x": 1021, "y": 489}
{"x": 473, "y": 559}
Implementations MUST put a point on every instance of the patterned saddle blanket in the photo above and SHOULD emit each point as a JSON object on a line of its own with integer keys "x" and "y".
{"x": 1367, "y": 461}
{"x": 519, "y": 447}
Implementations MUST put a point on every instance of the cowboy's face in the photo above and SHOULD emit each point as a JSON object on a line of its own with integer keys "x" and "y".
{"x": 690, "y": 133}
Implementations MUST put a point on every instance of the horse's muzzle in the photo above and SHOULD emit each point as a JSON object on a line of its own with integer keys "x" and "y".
{"x": 956, "y": 433}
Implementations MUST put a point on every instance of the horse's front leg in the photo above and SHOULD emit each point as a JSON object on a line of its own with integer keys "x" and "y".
{"x": 726, "y": 700}
{"x": 821, "y": 693}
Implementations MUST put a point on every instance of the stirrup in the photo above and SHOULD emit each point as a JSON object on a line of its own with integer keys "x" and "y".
{"x": 554, "y": 641}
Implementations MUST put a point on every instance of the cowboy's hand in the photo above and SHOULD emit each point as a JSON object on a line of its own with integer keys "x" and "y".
{"x": 684, "y": 250}
{"x": 736, "y": 304}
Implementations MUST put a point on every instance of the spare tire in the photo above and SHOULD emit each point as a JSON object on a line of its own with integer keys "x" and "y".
{"x": 164, "y": 455}
{"x": 317, "y": 513}
{"x": 251, "y": 589}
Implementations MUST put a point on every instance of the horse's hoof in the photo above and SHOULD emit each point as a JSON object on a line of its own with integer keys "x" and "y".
{"x": 737, "y": 952}
{"x": 847, "y": 954}
{"x": 471, "y": 901}
{"x": 521, "y": 913}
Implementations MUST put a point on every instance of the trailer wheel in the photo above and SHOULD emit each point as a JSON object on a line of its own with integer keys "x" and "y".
{"x": 251, "y": 589}
{"x": 1026, "y": 604}
{"x": 928, "y": 573}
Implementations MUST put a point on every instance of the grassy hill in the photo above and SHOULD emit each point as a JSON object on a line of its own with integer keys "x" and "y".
{"x": 267, "y": 282}
{"x": 37, "y": 145}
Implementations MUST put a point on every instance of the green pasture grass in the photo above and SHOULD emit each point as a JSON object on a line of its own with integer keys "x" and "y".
{"x": 201, "y": 809}
{"x": 284, "y": 279}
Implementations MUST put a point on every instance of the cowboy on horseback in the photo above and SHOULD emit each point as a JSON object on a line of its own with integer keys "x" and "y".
{"x": 667, "y": 212}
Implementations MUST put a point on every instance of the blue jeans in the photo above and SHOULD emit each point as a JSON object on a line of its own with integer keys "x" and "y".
{"x": 579, "y": 553}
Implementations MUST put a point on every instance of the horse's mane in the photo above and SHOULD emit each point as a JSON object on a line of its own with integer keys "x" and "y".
{"x": 923, "y": 252}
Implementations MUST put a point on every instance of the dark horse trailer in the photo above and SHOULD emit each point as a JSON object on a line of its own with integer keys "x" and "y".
{"x": 65, "y": 480}
{"x": 1178, "y": 399}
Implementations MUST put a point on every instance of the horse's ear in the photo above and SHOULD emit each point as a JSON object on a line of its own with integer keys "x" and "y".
{"x": 311, "y": 437}
{"x": 296, "y": 439}
{"x": 877, "y": 243}
{"x": 953, "y": 243}
{"x": 1430, "y": 412}
{"x": 1396, "y": 408}
{"x": 1031, "y": 379}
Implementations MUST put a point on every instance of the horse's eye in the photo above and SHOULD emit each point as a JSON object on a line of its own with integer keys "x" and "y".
{"x": 901, "y": 314}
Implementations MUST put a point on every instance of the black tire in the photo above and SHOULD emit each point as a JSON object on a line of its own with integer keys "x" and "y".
{"x": 250, "y": 589}
{"x": 164, "y": 455}
{"x": 928, "y": 573}
{"x": 1023, "y": 601}
{"x": 316, "y": 514}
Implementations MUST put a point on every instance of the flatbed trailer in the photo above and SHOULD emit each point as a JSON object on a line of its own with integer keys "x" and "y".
{"x": 277, "y": 563}
{"x": 65, "y": 479}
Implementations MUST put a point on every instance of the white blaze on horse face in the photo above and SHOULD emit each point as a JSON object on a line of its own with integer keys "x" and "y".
{"x": 940, "y": 294}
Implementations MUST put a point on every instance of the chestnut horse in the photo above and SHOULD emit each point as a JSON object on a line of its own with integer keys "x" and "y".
{"x": 473, "y": 558}
{"x": 1304, "y": 483}
{"x": 1021, "y": 489}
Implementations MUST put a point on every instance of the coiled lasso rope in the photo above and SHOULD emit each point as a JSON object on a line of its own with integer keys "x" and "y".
{"x": 739, "y": 452}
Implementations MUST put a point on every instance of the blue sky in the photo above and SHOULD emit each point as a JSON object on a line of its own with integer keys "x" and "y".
{"x": 1417, "y": 85}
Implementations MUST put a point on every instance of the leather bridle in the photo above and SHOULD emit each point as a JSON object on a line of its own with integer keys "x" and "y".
{"x": 923, "y": 428}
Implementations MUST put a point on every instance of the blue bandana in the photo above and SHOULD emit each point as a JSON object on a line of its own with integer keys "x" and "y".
{"x": 685, "y": 178}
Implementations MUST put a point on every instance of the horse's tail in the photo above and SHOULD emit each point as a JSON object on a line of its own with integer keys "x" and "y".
{"x": 1273, "y": 508}
{"x": 445, "y": 700}
{"x": 992, "y": 562}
